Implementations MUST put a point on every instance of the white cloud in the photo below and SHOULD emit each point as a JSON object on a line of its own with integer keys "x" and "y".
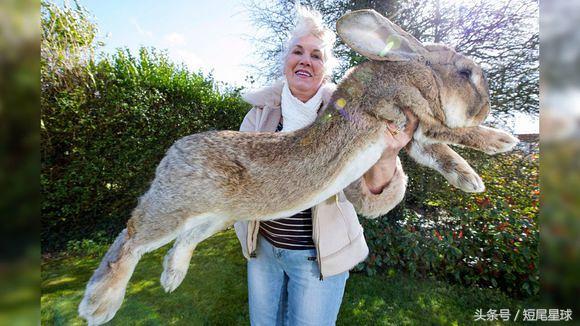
{"x": 140, "y": 30}
{"x": 174, "y": 39}
{"x": 190, "y": 59}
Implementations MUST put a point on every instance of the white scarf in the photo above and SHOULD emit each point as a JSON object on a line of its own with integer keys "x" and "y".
{"x": 296, "y": 113}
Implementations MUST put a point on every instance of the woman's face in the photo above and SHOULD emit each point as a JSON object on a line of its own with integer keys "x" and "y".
{"x": 304, "y": 67}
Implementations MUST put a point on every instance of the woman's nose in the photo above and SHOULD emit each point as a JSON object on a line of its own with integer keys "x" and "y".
{"x": 305, "y": 60}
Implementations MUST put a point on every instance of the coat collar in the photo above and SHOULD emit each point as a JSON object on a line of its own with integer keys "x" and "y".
{"x": 270, "y": 95}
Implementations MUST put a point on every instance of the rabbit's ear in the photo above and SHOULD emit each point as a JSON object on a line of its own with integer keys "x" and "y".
{"x": 376, "y": 37}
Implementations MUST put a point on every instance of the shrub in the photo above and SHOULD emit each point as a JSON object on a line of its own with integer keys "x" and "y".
{"x": 101, "y": 144}
{"x": 489, "y": 239}
{"x": 95, "y": 247}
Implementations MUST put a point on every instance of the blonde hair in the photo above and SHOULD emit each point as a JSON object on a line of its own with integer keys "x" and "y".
{"x": 309, "y": 22}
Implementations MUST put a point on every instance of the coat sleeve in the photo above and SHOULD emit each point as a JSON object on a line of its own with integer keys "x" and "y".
{"x": 249, "y": 122}
{"x": 371, "y": 205}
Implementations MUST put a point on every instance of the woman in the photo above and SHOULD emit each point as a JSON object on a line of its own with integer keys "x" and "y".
{"x": 298, "y": 266}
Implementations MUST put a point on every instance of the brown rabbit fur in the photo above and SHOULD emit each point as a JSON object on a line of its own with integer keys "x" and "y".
{"x": 208, "y": 181}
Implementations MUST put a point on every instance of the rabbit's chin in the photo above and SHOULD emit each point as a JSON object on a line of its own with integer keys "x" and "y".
{"x": 456, "y": 114}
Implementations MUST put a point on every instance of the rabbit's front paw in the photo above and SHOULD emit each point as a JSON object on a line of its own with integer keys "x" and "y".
{"x": 467, "y": 181}
{"x": 499, "y": 142}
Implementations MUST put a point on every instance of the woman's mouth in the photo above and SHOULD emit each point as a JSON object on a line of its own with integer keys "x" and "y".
{"x": 302, "y": 73}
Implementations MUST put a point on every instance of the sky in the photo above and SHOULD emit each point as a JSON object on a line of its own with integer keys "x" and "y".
{"x": 211, "y": 36}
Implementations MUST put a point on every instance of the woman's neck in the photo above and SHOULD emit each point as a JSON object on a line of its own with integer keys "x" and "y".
{"x": 303, "y": 96}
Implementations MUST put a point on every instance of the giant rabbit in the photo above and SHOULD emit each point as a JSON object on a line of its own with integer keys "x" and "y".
{"x": 207, "y": 181}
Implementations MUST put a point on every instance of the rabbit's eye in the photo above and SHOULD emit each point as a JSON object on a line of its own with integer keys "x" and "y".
{"x": 465, "y": 73}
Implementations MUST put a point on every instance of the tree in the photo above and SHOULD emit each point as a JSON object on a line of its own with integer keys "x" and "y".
{"x": 502, "y": 37}
{"x": 68, "y": 45}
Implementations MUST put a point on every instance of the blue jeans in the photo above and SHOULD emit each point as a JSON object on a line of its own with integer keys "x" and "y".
{"x": 284, "y": 288}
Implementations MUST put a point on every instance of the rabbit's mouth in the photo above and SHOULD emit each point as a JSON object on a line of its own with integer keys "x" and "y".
{"x": 480, "y": 116}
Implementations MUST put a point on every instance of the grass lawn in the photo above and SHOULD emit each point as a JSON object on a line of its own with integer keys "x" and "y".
{"x": 214, "y": 293}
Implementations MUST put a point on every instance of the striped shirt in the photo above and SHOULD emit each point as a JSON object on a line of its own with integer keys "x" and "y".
{"x": 294, "y": 232}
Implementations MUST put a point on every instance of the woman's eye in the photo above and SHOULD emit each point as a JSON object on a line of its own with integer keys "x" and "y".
{"x": 297, "y": 52}
{"x": 316, "y": 56}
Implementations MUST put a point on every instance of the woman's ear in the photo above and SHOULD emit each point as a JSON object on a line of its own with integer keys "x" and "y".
{"x": 376, "y": 37}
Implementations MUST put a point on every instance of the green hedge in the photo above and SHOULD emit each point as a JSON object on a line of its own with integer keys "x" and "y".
{"x": 489, "y": 239}
{"x": 103, "y": 136}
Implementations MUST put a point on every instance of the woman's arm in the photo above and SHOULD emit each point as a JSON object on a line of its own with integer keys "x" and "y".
{"x": 382, "y": 172}
{"x": 383, "y": 186}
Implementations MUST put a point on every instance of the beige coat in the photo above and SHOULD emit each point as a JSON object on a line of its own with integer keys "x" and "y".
{"x": 336, "y": 231}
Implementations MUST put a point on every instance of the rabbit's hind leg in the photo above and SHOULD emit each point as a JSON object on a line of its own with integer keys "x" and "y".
{"x": 176, "y": 262}
{"x": 106, "y": 288}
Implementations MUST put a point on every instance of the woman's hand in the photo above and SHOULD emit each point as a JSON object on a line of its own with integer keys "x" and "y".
{"x": 380, "y": 174}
